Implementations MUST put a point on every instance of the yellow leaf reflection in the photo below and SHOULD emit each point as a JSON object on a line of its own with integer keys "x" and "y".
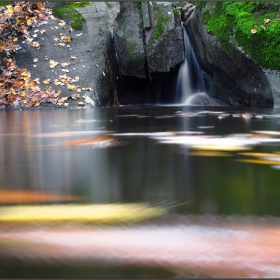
{"x": 85, "y": 213}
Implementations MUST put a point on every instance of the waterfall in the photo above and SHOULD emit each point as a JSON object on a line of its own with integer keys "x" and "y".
{"x": 190, "y": 79}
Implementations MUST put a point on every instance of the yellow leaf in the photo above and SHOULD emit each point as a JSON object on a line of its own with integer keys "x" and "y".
{"x": 86, "y": 89}
{"x": 46, "y": 82}
{"x": 73, "y": 57}
{"x": 53, "y": 63}
{"x": 81, "y": 213}
{"x": 81, "y": 104}
{"x": 68, "y": 39}
{"x": 23, "y": 93}
{"x": 25, "y": 74}
{"x": 36, "y": 44}
{"x": 43, "y": 31}
{"x": 72, "y": 87}
{"x": 9, "y": 10}
{"x": 253, "y": 31}
{"x": 15, "y": 39}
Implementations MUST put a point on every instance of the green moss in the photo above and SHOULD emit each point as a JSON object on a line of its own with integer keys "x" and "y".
{"x": 161, "y": 21}
{"x": 200, "y": 4}
{"x": 238, "y": 19}
{"x": 177, "y": 11}
{"x": 5, "y": 3}
{"x": 67, "y": 10}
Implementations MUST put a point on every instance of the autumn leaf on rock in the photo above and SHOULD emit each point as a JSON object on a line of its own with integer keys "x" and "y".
{"x": 253, "y": 31}
{"x": 58, "y": 83}
{"x": 86, "y": 89}
{"x": 73, "y": 57}
{"x": 36, "y": 44}
{"x": 47, "y": 81}
{"x": 64, "y": 64}
{"x": 71, "y": 87}
{"x": 81, "y": 104}
{"x": 53, "y": 63}
{"x": 75, "y": 79}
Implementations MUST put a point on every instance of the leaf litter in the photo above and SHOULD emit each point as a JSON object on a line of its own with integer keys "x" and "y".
{"x": 17, "y": 88}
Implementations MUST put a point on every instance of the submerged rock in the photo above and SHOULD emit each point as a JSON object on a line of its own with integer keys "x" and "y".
{"x": 233, "y": 78}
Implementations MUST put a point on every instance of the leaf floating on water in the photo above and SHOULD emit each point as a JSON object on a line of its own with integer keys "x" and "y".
{"x": 85, "y": 213}
{"x": 26, "y": 196}
{"x": 263, "y": 155}
{"x": 257, "y": 161}
{"x": 269, "y": 132}
{"x": 209, "y": 154}
{"x": 220, "y": 148}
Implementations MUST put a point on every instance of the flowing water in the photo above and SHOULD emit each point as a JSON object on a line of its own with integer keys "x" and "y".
{"x": 190, "y": 78}
{"x": 201, "y": 187}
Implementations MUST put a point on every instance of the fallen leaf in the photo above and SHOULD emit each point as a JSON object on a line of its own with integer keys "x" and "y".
{"x": 64, "y": 64}
{"x": 75, "y": 79}
{"x": 81, "y": 104}
{"x": 86, "y": 89}
{"x": 35, "y": 59}
{"x": 53, "y": 63}
{"x": 73, "y": 57}
{"x": 71, "y": 87}
{"x": 47, "y": 81}
{"x": 79, "y": 34}
{"x": 253, "y": 31}
{"x": 266, "y": 20}
{"x": 36, "y": 44}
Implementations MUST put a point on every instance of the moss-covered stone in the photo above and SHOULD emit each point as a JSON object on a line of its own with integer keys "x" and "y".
{"x": 252, "y": 26}
{"x": 67, "y": 10}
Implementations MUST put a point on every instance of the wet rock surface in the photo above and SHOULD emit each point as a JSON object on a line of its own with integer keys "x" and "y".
{"x": 234, "y": 80}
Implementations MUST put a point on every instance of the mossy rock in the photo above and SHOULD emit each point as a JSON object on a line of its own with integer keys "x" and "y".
{"x": 67, "y": 11}
{"x": 252, "y": 26}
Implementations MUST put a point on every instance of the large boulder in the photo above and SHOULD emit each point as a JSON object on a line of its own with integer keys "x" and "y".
{"x": 148, "y": 35}
{"x": 164, "y": 40}
{"x": 232, "y": 78}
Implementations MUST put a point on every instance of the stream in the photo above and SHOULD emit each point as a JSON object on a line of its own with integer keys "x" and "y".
{"x": 202, "y": 184}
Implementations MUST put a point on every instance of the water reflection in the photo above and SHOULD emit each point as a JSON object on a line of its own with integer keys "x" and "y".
{"x": 184, "y": 161}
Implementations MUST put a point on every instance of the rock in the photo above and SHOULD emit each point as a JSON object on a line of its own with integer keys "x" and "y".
{"x": 90, "y": 47}
{"x": 187, "y": 11}
{"x": 164, "y": 41}
{"x": 128, "y": 36}
{"x": 160, "y": 46}
{"x": 232, "y": 79}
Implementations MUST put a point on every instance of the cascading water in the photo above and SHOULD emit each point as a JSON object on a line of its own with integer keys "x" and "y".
{"x": 190, "y": 80}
